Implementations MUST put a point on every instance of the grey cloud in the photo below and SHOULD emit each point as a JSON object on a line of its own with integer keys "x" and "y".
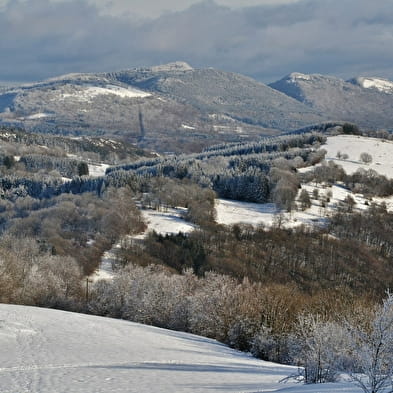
{"x": 341, "y": 37}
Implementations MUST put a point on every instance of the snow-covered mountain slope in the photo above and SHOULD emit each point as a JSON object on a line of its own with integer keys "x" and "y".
{"x": 93, "y": 104}
{"x": 166, "y": 108}
{"x": 363, "y": 101}
{"x": 219, "y": 93}
{"x": 50, "y": 351}
{"x": 383, "y": 85}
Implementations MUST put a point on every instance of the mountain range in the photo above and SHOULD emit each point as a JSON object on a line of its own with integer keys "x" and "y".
{"x": 175, "y": 107}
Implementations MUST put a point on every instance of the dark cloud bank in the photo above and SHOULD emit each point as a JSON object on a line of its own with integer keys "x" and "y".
{"x": 338, "y": 37}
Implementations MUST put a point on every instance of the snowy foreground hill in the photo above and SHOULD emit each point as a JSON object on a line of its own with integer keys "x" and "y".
{"x": 50, "y": 351}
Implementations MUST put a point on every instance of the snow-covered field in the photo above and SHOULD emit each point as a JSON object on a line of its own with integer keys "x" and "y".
{"x": 51, "y": 351}
{"x": 233, "y": 212}
{"x": 380, "y": 150}
{"x": 97, "y": 170}
{"x": 165, "y": 222}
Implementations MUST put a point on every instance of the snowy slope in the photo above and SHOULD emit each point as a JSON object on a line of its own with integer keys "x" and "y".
{"x": 231, "y": 212}
{"x": 97, "y": 170}
{"x": 234, "y": 212}
{"x": 165, "y": 222}
{"x": 380, "y": 150}
{"x": 50, "y": 351}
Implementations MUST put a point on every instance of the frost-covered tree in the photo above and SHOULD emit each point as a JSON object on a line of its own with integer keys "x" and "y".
{"x": 366, "y": 158}
{"x": 284, "y": 195}
{"x": 304, "y": 199}
{"x": 321, "y": 348}
{"x": 372, "y": 347}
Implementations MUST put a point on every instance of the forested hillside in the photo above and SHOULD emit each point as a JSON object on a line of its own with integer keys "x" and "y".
{"x": 261, "y": 288}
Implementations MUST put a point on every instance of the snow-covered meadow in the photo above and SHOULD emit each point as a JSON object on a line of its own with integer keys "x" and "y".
{"x": 381, "y": 151}
{"x": 50, "y": 351}
{"x": 235, "y": 212}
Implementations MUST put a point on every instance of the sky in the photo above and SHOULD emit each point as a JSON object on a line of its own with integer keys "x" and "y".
{"x": 265, "y": 39}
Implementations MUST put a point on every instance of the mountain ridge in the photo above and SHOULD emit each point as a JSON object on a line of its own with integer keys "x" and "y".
{"x": 366, "y": 101}
{"x": 177, "y": 108}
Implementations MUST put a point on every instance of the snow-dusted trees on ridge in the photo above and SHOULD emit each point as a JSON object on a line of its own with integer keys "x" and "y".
{"x": 236, "y": 171}
{"x": 65, "y": 166}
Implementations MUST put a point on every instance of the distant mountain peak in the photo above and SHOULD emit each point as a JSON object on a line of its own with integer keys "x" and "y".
{"x": 299, "y": 78}
{"x": 175, "y": 66}
{"x": 380, "y": 84}
{"x": 295, "y": 76}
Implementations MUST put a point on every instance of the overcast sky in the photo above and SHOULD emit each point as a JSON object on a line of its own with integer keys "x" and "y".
{"x": 266, "y": 39}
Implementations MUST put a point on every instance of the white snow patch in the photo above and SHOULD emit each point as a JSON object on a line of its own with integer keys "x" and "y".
{"x": 97, "y": 170}
{"x": 117, "y": 90}
{"x": 295, "y": 76}
{"x": 35, "y": 116}
{"x": 106, "y": 272}
{"x": 384, "y": 85}
{"x": 46, "y": 351}
{"x": 86, "y": 94}
{"x": 175, "y": 66}
{"x": 185, "y": 126}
